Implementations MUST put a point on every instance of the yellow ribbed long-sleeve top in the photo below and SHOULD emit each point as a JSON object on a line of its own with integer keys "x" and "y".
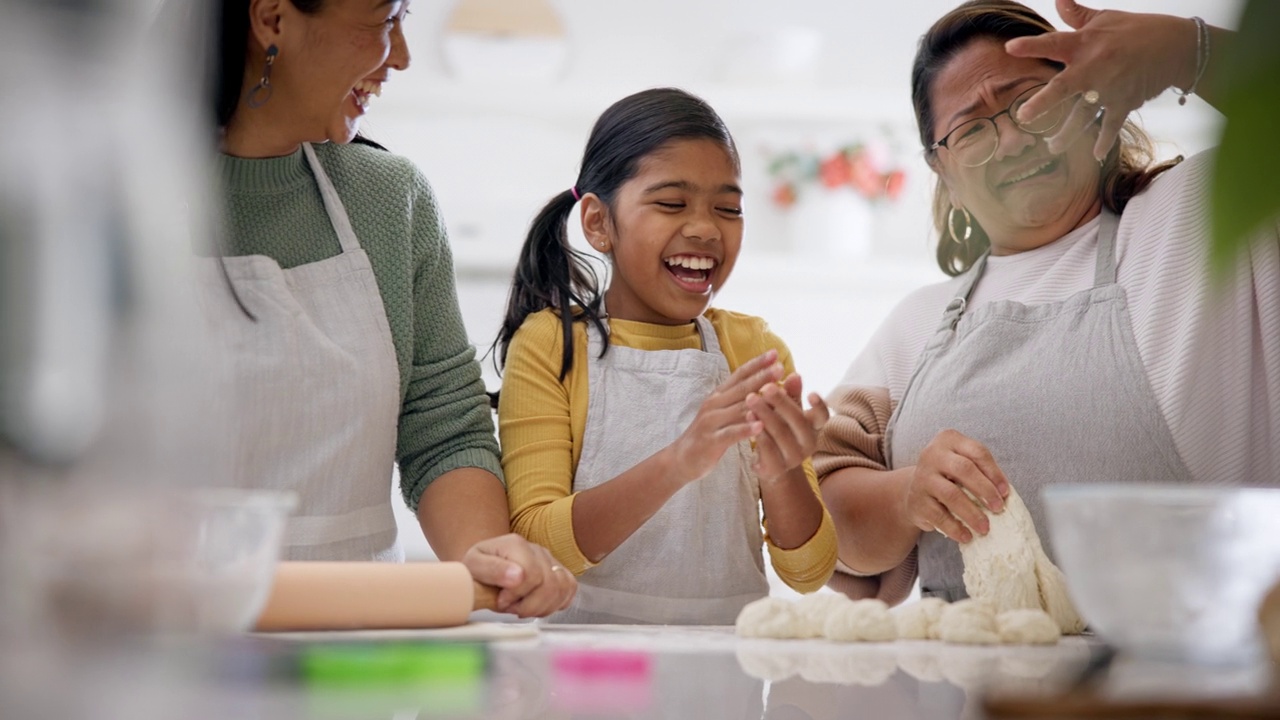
{"x": 542, "y": 420}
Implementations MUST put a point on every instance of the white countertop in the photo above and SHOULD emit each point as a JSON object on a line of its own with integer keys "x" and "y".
{"x": 674, "y": 672}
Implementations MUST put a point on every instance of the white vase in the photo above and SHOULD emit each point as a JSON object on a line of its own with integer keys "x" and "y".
{"x": 832, "y": 223}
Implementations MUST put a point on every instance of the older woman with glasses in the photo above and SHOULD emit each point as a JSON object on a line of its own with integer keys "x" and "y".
{"x": 1081, "y": 339}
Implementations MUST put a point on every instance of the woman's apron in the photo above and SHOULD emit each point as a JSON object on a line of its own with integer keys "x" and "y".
{"x": 698, "y": 560}
{"x": 1057, "y": 392}
{"x": 315, "y": 388}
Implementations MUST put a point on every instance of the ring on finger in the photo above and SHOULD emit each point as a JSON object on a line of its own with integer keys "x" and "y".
{"x": 1090, "y": 97}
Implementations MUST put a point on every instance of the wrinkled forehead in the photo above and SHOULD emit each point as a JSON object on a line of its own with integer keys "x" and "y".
{"x": 981, "y": 79}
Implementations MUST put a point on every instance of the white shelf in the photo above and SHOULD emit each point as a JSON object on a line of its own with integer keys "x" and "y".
{"x": 564, "y": 102}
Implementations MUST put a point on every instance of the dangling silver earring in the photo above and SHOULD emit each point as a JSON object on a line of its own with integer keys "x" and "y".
{"x": 951, "y": 225}
{"x": 261, "y": 92}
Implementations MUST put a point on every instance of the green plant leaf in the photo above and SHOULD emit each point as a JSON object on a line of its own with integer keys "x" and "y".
{"x": 1246, "y": 186}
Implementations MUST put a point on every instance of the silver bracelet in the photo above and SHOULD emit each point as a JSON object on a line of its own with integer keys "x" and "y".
{"x": 1202, "y": 58}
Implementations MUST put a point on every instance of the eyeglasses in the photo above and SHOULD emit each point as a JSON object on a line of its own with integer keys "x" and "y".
{"x": 973, "y": 143}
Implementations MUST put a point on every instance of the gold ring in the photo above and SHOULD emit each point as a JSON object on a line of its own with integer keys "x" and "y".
{"x": 1090, "y": 97}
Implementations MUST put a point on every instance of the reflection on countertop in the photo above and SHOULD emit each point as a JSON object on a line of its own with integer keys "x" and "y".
{"x": 564, "y": 672}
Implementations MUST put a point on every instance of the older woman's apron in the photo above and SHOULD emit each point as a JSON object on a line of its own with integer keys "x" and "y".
{"x": 698, "y": 560}
{"x": 316, "y": 389}
{"x": 1057, "y": 392}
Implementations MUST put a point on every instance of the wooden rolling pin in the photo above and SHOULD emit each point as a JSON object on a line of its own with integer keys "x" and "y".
{"x": 371, "y": 595}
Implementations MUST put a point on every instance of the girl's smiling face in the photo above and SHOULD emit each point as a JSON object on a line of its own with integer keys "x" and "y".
{"x": 673, "y": 232}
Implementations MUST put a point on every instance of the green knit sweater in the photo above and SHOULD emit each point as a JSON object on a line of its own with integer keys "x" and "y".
{"x": 274, "y": 208}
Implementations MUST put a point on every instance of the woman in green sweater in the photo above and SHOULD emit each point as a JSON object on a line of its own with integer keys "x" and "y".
{"x": 334, "y": 292}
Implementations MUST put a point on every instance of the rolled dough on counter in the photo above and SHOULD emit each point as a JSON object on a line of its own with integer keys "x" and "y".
{"x": 919, "y": 620}
{"x": 861, "y": 621}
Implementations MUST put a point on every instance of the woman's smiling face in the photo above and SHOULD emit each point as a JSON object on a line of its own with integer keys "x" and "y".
{"x": 1025, "y": 196}
{"x": 332, "y": 62}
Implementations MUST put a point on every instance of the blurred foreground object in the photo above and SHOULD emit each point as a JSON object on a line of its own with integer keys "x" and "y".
{"x": 106, "y": 389}
{"x": 1269, "y": 616}
{"x": 1171, "y": 573}
{"x": 1246, "y": 188}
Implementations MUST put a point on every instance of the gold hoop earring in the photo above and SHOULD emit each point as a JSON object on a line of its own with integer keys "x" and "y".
{"x": 951, "y": 225}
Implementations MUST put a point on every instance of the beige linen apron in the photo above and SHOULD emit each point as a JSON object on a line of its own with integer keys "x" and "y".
{"x": 316, "y": 388}
{"x": 699, "y": 559}
{"x": 1057, "y": 392}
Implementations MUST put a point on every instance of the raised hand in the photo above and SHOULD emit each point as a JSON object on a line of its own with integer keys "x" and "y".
{"x": 790, "y": 433}
{"x": 722, "y": 420}
{"x": 1115, "y": 61}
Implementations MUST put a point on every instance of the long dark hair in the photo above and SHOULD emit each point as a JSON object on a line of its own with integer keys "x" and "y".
{"x": 233, "y": 51}
{"x": 550, "y": 273}
{"x": 1127, "y": 170}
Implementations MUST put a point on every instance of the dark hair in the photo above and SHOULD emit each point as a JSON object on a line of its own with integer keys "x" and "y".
{"x": 1128, "y": 170}
{"x": 231, "y": 54}
{"x": 550, "y": 273}
{"x": 232, "y": 51}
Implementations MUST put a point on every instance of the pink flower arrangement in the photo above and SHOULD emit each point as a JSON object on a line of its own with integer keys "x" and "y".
{"x": 853, "y": 166}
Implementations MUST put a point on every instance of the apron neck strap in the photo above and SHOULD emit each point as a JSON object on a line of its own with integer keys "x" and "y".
{"x": 956, "y": 307}
{"x": 1105, "y": 270}
{"x": 332, "y": 203}
{"x": 706, "y": 333}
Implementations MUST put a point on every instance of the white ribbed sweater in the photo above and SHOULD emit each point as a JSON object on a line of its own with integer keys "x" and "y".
{"x": 1211, "y": 350}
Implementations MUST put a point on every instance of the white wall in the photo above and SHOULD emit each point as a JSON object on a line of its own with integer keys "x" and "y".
{"x": 495, "y": 149}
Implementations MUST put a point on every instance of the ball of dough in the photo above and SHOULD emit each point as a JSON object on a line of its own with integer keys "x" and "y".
{"x": 969, "y": 622}
{"x": 1027, "y": 627}
{"x": 768, "y": 617}
{"x": 813, "y": 611}
{"x": 861, "y": 621}
{"x": 919, "y": 620}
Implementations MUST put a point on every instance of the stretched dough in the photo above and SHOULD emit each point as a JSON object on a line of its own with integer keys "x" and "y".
{"x": 919, "y": 620}
{"x": 768, "y": 617}
{"x": 1009, "y": 569}
{"x": 861, "y": 621}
